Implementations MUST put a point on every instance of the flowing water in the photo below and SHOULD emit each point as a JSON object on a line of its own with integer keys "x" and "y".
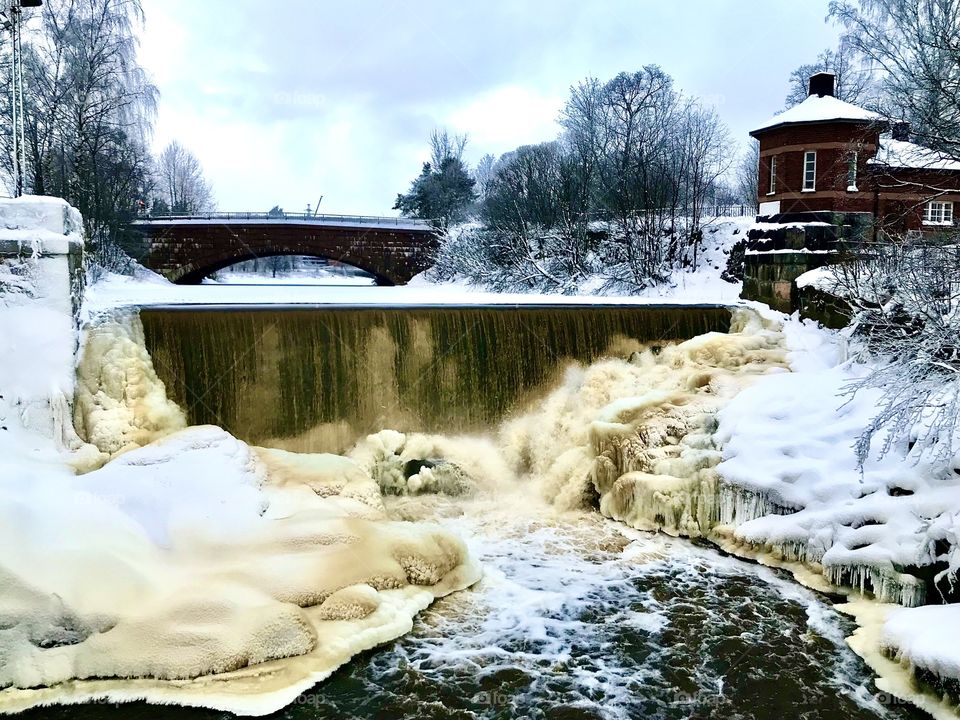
{"x": 315, "y": 380}
{"x": 579, "y": 617}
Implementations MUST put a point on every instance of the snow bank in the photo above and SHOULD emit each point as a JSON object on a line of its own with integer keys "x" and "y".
{"x": 40, "y": 224}
{"x": 789, "y": 440}
{"x": 927, "y": 637}
{"x": 118, "y": 292}
{"x": 199, "y": 558}
{"x": 896, "y": 678}
{"x": 821, "y": 278}
{"x": 704, "y": 283}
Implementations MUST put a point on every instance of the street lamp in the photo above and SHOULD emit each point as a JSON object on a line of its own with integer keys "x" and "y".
{"x": 13, "y": 21}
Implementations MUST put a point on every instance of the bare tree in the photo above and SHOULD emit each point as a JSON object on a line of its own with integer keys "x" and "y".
{"x": 914, "y": 45}
{"x": 444, "y": 146}
{"x": 621, "y": 193}
{"x": 904, "y": 300}
{"x": 483, "y": 175}
{"x": 90, "y": 108}
{"x": 584, "y": 119}
{"x": 746, "y": 174}
{"x": 853, "y": 83}
{"x": 180, "y": 181}
{"x": 705, "y": 141}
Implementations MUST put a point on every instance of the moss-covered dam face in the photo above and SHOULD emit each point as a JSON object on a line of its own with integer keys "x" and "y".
{"x": 314, "y": 379}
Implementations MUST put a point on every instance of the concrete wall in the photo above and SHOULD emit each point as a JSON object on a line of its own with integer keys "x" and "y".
{"x": 41, "y": 253}
{"x": 778, "y": 253}
{"x": 41, "y": 284}
{"x": 769, "y": 277}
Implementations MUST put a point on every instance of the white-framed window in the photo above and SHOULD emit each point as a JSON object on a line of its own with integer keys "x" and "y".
{"x": 852, "y": 171}
{"x": 809, "y": 171}
{"x": 938, "y": 212}
{"x": 773, "y": 175}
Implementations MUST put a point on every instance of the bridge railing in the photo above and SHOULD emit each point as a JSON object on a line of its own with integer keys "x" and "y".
{"x": 292, "y": 217}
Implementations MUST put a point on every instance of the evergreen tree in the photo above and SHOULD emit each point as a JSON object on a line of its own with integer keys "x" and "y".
{"x": 444, "y": 191}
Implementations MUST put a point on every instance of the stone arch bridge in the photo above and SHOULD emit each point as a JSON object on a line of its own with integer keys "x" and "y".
{"x": 186, "y": 249}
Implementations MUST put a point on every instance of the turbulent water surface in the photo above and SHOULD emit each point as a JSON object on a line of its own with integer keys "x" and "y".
{"x": 577, "y": 616}
{"x": 301, "y": 379}
{"x": 576, "y": 619}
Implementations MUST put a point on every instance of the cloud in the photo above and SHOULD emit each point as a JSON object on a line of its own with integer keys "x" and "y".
{"x": 286, "y": 101}
{"x": 503, "y": 118}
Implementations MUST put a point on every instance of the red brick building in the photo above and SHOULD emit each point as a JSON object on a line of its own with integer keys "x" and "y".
{"x": 826, "y": 159}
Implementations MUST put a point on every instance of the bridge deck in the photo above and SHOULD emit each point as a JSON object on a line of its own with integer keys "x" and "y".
{"x": 250, "y": 218}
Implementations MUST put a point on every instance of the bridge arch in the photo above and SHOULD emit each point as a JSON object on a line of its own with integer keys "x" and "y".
{"x": 186, "y": 250}
{"x": 193, "y": 277}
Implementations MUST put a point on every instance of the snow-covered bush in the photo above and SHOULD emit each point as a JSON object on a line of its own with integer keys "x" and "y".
{"x": 733, "y": 272}
{"x": 905, "y": 299}
{"x": 106, "y": 257}
{"x": 535, "y": 258}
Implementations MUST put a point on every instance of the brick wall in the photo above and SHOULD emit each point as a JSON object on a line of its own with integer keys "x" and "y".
{"x": 895, "y": 196}
{"x": 188, "y": 252}
{"x": 834, "y": 144}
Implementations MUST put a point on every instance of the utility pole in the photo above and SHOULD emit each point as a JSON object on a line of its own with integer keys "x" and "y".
{"x": 13, "y": 21}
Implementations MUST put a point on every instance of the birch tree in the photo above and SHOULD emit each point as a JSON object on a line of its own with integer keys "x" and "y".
{"x": 180, "y": 181}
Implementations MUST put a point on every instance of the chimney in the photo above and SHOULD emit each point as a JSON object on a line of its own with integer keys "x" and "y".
{"x": 900, "y": 131}
{"x": 821, "y": 84}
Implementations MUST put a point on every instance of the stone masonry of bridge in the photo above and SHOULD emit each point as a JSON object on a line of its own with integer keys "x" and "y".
{"x": 186, "y": 250}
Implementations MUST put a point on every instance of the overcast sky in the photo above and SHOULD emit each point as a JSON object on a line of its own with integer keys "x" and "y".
{"x": 284, "y": 102}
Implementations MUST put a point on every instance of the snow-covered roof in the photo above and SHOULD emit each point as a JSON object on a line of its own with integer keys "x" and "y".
{"x": 902, "y": 154}
{"x": 819, "y": 109}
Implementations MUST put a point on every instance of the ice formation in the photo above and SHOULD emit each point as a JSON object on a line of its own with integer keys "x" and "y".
{"x": 37, "y": 335}
{"x": 925, "y": 637}
{"x": 415, "y": 463}
{"x": 711, "y": 437}
{"x": 873, "y": 641}
{"x": 120, "y": 403}
{"x": 639, "y": 432}
{"x": 198, "y": 556}
{"x": 789, "y": 440}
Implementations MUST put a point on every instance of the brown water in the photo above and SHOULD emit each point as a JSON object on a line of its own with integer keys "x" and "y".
{"x": 577, "y": 617}
{"x": 575, "y": 622}
{"x": 316, "y": 379}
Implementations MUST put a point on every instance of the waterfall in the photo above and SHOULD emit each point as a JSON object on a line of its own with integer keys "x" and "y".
{"x": 315, "y": 380}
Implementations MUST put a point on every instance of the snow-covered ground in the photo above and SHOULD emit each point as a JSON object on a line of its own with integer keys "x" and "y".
{"x": 307, "y": 271}
{"x": 158, "y": 521}
{"x": 790, "y": 439}
{"x": 238, "y": 278}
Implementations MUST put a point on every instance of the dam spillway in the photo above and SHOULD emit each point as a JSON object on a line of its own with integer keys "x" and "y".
{"x": 314, "y": 379}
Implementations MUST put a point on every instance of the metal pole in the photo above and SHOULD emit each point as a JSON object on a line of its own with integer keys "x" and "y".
{"x": 23, "y": 114}
{"x": 11, "y": 10}
{"x": 14, "y": 12}
{"x": 18, "y": 127}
